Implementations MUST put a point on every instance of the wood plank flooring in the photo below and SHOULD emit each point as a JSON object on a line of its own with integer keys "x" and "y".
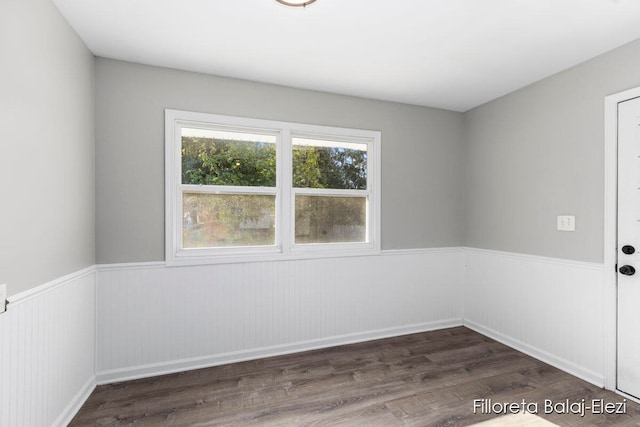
{"x": 426, "y": 379}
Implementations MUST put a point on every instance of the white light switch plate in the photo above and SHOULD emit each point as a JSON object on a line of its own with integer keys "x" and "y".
{"x": 3, "y": 297}
{"x": 566, "y": 223}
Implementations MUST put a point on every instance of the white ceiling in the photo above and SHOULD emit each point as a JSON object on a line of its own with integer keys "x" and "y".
{"x": 452, "y": 54}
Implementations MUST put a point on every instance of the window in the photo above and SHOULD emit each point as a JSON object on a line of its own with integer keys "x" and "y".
{"x": 243, "y": 189}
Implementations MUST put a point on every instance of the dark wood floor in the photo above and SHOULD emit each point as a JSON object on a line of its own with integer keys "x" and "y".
{"x": 427, "y": 379}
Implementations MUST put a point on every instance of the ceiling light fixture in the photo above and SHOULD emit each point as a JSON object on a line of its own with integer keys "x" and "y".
{"x": 296, "y": 3}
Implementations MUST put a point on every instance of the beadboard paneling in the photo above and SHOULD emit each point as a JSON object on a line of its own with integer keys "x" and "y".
{"x": 550, "y": 308}
{"x": 155, "y": 319}
{"x": 47, "y": 352}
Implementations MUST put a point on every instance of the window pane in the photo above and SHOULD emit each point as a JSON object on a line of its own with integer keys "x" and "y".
{"x": 327, "y": 164}
{"x": 223, "y": 220}
{"x": 214, "y": 157}
{"x": 327, "y": 219}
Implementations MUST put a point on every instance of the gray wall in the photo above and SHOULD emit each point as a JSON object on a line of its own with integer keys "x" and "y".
{"x": 421, "y": 153}
{"x": 537, "y": 153}
{"x": 526, "y": 157}
{"x": 47, "y": 220}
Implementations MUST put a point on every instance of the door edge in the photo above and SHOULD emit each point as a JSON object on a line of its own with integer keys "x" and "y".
{"x": 609, "y": 290}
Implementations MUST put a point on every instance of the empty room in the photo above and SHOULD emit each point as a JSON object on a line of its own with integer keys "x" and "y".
{"x": 320, "y": 212}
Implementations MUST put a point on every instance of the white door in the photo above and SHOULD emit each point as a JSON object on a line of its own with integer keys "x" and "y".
{"x": 629, "y": 247}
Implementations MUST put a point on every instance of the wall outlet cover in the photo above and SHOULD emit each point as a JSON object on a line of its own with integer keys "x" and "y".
{"x": 566, "y": 223}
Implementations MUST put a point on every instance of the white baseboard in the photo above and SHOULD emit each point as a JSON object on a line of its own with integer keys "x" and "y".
{"x": 562, "y": 364}
{"x": 143, "y": 371}
{"x": 536, "y": 258}
{"x": 76, "y": 403}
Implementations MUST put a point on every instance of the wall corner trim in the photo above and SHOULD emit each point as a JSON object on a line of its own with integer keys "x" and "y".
{"x": 538, "y": 258}
{"x": 130, "y": 266}
{"x": 421, "y": 251}
{"x": 29, "y": 294}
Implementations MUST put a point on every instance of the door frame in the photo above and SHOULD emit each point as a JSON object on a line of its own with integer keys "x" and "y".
{"x": 610, "y": 288}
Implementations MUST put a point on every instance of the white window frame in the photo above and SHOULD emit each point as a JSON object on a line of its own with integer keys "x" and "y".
{"x": 285, "y": 247}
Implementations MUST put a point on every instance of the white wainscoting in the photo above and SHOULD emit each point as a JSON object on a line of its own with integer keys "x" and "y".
{"x": 60, "y": 339}
{"x": 154, "y": 319}
{"x": 552, "y": 309}
{"x": 47, "y": 352}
